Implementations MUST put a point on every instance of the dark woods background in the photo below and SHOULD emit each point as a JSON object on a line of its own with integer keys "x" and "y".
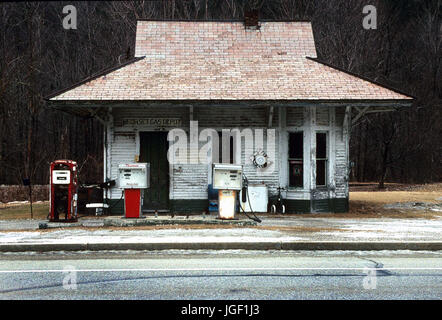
{"x": 38, "y": 57}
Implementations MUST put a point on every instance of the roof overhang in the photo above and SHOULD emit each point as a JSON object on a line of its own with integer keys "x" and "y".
{"x": 91, "y": 109}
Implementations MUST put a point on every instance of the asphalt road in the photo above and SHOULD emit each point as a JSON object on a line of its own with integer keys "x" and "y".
{"x": 222, "y": 275}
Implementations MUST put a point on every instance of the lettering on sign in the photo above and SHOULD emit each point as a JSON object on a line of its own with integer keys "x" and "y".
{"x": 153, "y": 122}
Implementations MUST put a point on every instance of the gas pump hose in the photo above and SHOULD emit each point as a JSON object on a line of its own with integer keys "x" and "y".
{"x": 121, "y": 198}
{"x": 254, "y": 218}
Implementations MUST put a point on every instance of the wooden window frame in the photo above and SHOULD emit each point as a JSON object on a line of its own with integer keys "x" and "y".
{"x": 325, "y": 159}
{"x": 301, "y": 160}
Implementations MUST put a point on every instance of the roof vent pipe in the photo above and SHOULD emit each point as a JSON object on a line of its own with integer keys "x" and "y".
{"x": 251, "y": 19}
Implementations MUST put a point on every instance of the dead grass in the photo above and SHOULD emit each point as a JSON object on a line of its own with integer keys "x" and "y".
{"x": 396, "y": 196}
{"x": 371, "y": 204}
{"x": 374, "y": 187}
{"x": 23, "y": 211}
{"x": 368, "y": 209}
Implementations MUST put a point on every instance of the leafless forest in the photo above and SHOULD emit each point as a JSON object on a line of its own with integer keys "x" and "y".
{"x": 38, "y": 57}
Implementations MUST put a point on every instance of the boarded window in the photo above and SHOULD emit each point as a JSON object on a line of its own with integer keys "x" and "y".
{"x": 296, "y": 159}
{"x": 321, "y": 159}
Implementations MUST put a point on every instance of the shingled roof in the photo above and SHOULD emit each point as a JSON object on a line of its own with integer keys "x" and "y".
{"x": 192, "y": 60}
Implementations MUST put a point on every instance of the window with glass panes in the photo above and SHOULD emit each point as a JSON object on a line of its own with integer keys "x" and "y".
{"x": 321, "y": 159}
{"x": 296, "y": 159}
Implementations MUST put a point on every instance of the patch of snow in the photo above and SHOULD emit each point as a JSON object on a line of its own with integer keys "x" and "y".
{"x": 413, "y": 205}
{"x": 18, "y": 202}
{"x": 141, "y": 236}
{"x": 395, "y": 226}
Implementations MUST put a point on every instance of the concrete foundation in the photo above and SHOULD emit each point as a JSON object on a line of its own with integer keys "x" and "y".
{"x": 177, "y": 220}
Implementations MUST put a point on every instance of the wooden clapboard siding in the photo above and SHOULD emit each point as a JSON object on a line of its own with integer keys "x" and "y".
{"x": 269, "y": 175}
{"x": 234, "y": 117}
{"x": 189, "y": 181}
{"x": 341, "y": 156}
{"x": 295, "y": 116}
{"x": 322, "y": 116}
{"x": 164, "y": 111}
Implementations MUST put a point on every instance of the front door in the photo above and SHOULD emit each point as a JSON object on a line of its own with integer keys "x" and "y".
{"x": 154, "y": 151}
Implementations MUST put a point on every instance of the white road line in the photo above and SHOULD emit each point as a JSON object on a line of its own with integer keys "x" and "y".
{"x": 205, "y": 269}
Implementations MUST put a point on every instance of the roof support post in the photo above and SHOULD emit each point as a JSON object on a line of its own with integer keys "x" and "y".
{"x": 347, "y": 120}
{"x": 366, "y": 110}
{"x": 190, "y": 113}
{"x": 107, "y": 161}
{"x": 359, "y": 115}
{"x": 271, "y": 111}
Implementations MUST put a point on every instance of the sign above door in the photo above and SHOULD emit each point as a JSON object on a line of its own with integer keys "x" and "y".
{"x": 151, "y": 122}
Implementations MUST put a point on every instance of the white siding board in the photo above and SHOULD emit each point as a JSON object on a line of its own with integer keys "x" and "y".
{"x": 189, "y": 181}
{"x": 234, "y": 117}
{"x": 295, "y": 116}
{"x": 322, "y": 116}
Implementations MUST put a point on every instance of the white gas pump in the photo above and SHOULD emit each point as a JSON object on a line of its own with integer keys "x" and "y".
{"x": 227, "y": 178}
{"x": 132, "y": 178}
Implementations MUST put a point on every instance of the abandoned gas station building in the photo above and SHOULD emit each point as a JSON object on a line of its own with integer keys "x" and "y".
{"x": 226, "y": 75}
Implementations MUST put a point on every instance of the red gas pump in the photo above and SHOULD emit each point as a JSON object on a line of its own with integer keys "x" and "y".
{"x": 63, "y": 192}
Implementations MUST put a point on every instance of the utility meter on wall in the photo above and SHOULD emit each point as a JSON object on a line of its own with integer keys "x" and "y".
{"x": 134, "y": 176}
{"x": 227, "y": 176}
{"x": 260, "y": 159}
